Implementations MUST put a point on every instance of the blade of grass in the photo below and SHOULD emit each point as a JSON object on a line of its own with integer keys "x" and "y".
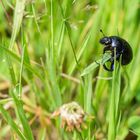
{"x": 68, "y": 31}
{"x": 94, "y": 65}
{"x": 18, "y": 16}
{"x": 26, "y": 54}
{"x": 53, "y": 79}
{"x": 18, "y": 102}
{"x": 87, "y": 100}
{"x": 134, "y": 124}
{"x": 72, "y": 46}
{"x": 80, "y": 52}
{"x": 51, "y": 65}
{"x": 21, "y": 70}
{"x": 60, "y": 40}
{"x": 99, "y": 90}
{"x": 88, "y": 93}
{"x": 11, "y": 70}
{"x": 3, "y": 101}
{"x": 114, "y": 102}
{"x": 43, "y": 134}
{"x": 10, "y": 121}
{"x": 33, "y": 10}
{"x": 13, "y": 55}
{"x": 22, "y": 117}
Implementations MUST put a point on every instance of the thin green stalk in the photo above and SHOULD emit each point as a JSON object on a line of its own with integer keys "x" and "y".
{"x": 21, "y": 70}
{"x": 68, "y": 31}
{"x": 113, "y": 116}
{"x": 35, "y": 18}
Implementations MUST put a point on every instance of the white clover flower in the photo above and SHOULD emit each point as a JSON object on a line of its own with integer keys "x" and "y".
{"x": 72, "y": 116}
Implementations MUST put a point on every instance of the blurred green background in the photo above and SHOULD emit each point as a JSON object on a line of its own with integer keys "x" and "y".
{"x": 45, "y": 46}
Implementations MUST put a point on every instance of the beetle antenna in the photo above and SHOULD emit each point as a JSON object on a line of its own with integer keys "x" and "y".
{"x": 102, "y": 32}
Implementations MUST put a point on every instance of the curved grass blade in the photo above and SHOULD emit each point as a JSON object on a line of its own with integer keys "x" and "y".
{"x": 94, "y": 65}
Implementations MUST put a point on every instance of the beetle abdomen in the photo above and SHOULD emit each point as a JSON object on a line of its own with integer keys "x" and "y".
{"x": 127, "y": 55}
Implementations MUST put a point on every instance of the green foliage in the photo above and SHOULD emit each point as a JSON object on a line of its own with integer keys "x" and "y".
{"x": 50, "y": 55}
{"x": 134, "y": 124}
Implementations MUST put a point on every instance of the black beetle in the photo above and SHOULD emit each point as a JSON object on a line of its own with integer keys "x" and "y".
{"x": 122, "y": 47}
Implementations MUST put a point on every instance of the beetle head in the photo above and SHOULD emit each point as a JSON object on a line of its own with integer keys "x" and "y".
{"x": 106, "y": 40}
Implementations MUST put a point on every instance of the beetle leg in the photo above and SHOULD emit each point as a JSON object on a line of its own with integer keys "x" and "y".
{"x": 111, "y": 60}
{"x": 112, "y": 66}
{"x": 106, "y": 68}
{"x": 107, "y": 48}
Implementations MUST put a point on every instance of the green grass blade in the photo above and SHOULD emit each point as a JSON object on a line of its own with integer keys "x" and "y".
{"x": 26, "y": 58}
{"x": 88, "y": 93}
{"x": 13, "y": 55}
{"x": 113, "y": 116}
{"x": 10, "y": 121}
{"x": 90, "y": 68}
{"x": 35, "y": 18}
{"x": 18, "y": 16}
{"x": 4, "y": 101}
{"x": 60, "y": 40}
{"x": 18, "y": 102}
{"x": 21, "y": 70}
{"x": 80, "y": 52}
{"x": 22, "y": 117}
{"x": 94, "y": 65}
{"x": 53, "y": 80}
{"x": 134, "y": 124}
